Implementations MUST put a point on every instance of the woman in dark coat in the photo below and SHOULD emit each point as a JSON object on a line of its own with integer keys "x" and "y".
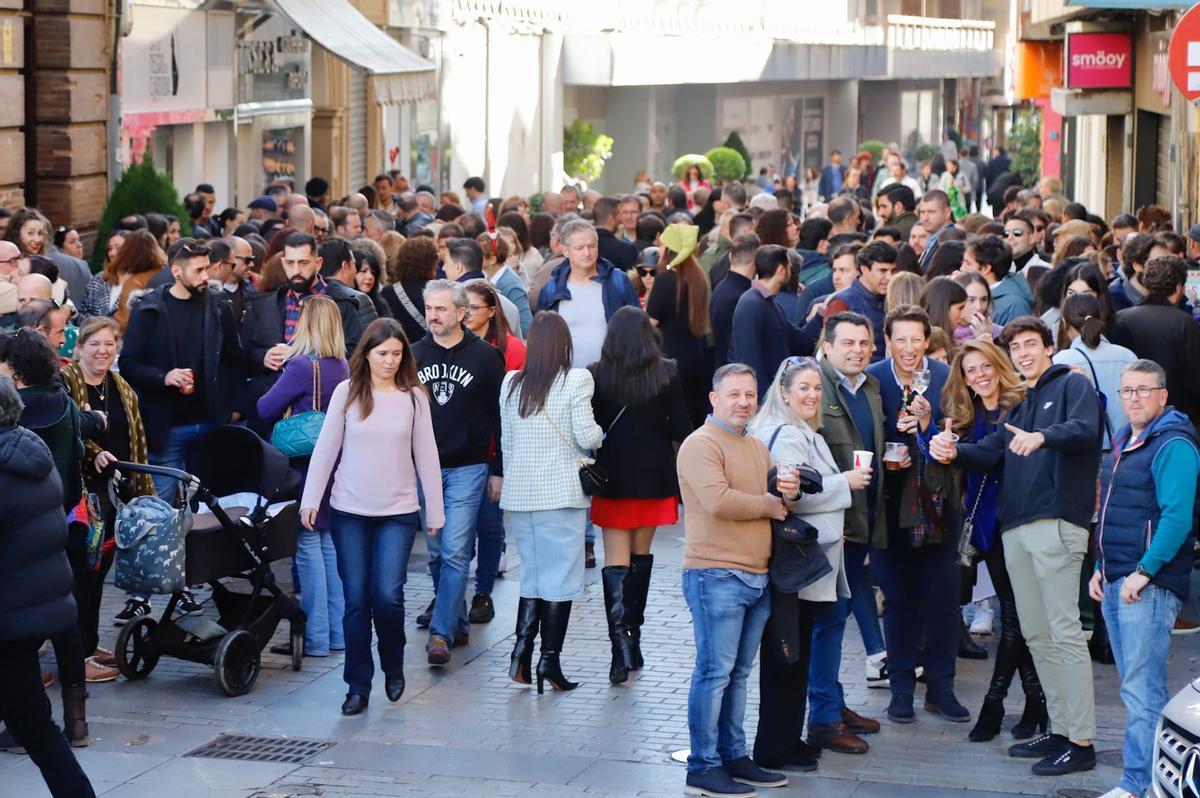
{"x": 35, "y": 594}
{"x": 640, "y": 405}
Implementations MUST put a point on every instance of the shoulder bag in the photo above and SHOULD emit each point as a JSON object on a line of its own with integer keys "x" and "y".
{"x": 592, "y": 478}
{"x": 1099, "y": 395}
{"x": 968, "y": 553}
{"x": 296, "y": 435}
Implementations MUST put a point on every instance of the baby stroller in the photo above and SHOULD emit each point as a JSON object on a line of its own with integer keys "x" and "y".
{"x": 231, "y": 538}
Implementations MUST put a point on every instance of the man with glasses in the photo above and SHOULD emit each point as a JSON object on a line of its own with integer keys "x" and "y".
{"x": 321, "y": 225}
{"x": 10, "y": 258}
{"x": 231, "y": 260}
{"x": 1049, "y": 448}
{"x": 45, "y": 317}
{"x": 1144, "y": 541}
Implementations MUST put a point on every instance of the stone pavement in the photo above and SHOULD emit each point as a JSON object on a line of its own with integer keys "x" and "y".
{"x": 467, "y": 731}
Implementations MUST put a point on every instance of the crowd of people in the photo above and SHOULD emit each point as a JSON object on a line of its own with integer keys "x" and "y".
{"x": 855, "y": 387}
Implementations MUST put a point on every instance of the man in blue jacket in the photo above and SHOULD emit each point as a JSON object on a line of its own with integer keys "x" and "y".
{"x": 1050, "y": 450}
{"x": 876, "y": 263}
{"x": 586, "y": 290}
{"x": 832, "y": 177}
{"x": 914, "y": 566}
{"x": 1144, "y": 542}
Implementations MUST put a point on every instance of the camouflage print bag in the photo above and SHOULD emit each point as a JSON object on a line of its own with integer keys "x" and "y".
{"x": 150, "y": 545}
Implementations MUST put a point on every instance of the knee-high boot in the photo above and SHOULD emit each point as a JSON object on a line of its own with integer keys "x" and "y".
{"x": 554, "y": 618}
{"x": 616, "y": 605}
{"x": 1008, "y": 655}
{"x": 637, "y": 586}
{"x": 521, "y": 668}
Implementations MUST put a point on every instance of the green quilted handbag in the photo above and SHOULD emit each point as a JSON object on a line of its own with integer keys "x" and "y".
{"x": 296, "y": 435}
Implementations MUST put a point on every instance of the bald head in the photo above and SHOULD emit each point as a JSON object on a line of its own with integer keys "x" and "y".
{"x": 292, "y": 200}
{"x": 552, "y": 202}
{"x": 358, "y": 202}
{"x": 10, "y": 256}
{"x": 32, "y": 287}
{"x": 301, "y": 218}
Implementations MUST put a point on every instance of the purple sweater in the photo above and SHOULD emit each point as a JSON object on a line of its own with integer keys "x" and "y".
{"x": 294, "y": 388}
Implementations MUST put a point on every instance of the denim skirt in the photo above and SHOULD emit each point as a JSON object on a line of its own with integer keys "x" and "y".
{"x": 550, "y": 543}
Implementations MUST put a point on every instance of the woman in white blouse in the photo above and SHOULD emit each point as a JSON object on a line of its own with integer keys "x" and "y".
{"x": 546, "y": 427}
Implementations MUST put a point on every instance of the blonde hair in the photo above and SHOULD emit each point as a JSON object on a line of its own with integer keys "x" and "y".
{"x": 958, "y": 401}
{"x": 93, "y": 325}
{"x": 774, "y": 409}
{"x": 904, "y": 289}
{"x": 318, "y": 330}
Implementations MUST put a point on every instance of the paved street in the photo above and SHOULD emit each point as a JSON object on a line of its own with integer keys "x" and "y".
{"x": 467, "y": 731}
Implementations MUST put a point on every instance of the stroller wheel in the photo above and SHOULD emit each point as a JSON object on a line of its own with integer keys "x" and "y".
{"x": 136, "y": 650}
{"x": 236, "y": 663}
{"x": 297, "y": 646}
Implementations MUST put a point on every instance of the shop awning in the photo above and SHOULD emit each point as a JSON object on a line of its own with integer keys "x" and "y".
{"x": 398, "y": 75}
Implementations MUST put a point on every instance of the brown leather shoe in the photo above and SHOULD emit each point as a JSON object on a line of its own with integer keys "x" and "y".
{"x": 104, "y": 657}
{"x": 836, "y": 737}
{"x": 1185, "y": 627}
{"x": 857, "y": 723}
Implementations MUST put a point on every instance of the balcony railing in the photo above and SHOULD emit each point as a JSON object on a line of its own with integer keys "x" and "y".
{"x": 924, "y": 33}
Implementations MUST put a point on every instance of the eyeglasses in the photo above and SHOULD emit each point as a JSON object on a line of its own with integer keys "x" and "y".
{"x": 1142, "y": 391}
{"x": 12, "y": 260}
{"x": 477, "y": 308}
{"x": 51, "y": 306}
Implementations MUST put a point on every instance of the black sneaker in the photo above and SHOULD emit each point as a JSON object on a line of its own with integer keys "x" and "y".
{"x": 187, "y": 604}
{"x": 745, "y": 771}
{"x": 1039, "y": 747}
{"x": 716, "y": 783}
{"x": 134, "y": 608}
{"x": 482, "y": 609}
{"x": 424, "y": 618}
{"x": 1072, "y": 759}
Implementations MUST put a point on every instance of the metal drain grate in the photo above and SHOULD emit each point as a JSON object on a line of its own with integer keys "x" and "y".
{"x": 246, "y": 748}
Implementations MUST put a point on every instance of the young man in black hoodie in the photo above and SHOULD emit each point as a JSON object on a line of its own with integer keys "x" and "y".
{"x": 463, "y": 374}
{"x": 1050, "y": 451}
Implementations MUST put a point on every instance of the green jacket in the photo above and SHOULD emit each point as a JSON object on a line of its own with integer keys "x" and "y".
{"x": 714, "y": 253}
{"x": 904, "y": 222}
{"x": 839, "y": 432}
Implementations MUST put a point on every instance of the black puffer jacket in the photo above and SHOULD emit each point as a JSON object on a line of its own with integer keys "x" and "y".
{"x": 35, "y": 577}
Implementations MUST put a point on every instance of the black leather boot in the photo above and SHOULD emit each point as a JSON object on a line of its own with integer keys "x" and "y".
{"x": 521, "y": 668}
{"x": 615, "y": 598}
{"x": 554, "y": 618}
{"x": 1008, "y": 654}
{"x": 967, "y": 647}
{"x": 637, "y": 586}
{"x": 1035, "y": 717}
{"x": 75, "y": 725}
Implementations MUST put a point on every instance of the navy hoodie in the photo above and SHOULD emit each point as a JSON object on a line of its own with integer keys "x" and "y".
{"x": 464, "y": 382}
{"x": 1059, "y": 479}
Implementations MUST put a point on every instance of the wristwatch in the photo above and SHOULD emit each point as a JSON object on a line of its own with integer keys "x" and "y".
{"x": 1140, "y": 570}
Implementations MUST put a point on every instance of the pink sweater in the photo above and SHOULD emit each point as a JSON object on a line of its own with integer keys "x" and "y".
{"x": 376, "y": 475}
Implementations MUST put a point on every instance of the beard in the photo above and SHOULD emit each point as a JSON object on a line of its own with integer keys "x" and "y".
{"x": 197, "y": 290}
{"x": 300, "y": 284}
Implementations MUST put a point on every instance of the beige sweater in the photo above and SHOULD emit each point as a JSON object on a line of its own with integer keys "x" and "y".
{"x": 723, "y": 479}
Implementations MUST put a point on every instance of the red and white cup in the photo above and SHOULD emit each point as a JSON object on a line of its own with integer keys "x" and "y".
{"x": 862, "y": 459}
{"x": 189, "y": 386}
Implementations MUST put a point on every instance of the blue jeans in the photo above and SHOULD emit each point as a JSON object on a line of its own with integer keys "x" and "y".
{"x": 451, "y": 549}
{"x": 490, "y": 529}
{"x": 862, "y": 597}
{"x": 1140, "y": 635}
{"x": 179, "y": 441}
{"x": 728, "y": 617}
{"x": 372, "y": 559}
{"x": 825, "y": 695}
{"x": 321, "y": 595}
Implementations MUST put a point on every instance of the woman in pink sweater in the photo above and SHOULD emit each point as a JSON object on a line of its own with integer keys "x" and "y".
{"x": 378, "y": 423}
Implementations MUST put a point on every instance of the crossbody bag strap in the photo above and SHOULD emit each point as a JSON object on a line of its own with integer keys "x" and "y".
{"x": 1096, "y": 385}
{"x": 408, "y": 306}
{"x": 316, "y": 368}
{"x": 574, "y": 450}
{"x": 615, "y": 420}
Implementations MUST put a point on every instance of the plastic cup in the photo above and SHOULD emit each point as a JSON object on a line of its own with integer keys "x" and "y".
{"x": 893, "y": 455}
{"x": 862, "y": 459}
{"x": 947, "y": 437}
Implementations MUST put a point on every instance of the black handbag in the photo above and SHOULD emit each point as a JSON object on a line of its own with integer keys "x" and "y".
{"x": 592, "y": 478}
{"x": 797, "y": 560}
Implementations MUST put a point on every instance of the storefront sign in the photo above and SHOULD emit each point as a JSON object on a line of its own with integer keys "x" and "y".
{"x": 1183, "y": 56}
{"x": 1099, "y": 61}
{"x": 1161, "y": 70}
{"x": 273, "y": 63}
{"x": 1039, "y": 69}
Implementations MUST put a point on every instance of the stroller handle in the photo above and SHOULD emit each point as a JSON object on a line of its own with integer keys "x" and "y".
{"x": 162, "y": 471}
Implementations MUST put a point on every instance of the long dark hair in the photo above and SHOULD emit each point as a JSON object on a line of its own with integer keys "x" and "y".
{"x": 497, "y": 331}
{"x": 940, "y": 294}
{"x": 548, "y": 355}
{"x": 691, "y": 290}
{"x": 631, "y": 369}
{"x": 376, "y": 333}
{"x": 1082, "y": 312}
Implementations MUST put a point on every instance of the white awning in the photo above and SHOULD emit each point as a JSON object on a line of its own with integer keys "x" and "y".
{"x": 398, "y": 75}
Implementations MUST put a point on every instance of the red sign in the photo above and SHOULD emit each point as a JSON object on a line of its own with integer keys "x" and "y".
{"x": 1183, "y": 56}
{"x": 1099, "y": 61}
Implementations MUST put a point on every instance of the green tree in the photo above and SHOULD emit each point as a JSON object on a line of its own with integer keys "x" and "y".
{"x": 873, "y": 146}
{"x": 1025, "y": 146}
{"x": 142, "y": 189}
{"x": 585, "y": 149}
{"x": 727, "y": 163}
{"x": 734, "y": 142}
{"x": 924, "y": 152}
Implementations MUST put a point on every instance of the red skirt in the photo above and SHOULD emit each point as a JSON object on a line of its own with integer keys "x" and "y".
{"x": 632, "y": 513}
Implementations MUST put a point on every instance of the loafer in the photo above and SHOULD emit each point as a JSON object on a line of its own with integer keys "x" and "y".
{"x": 1039, "y": 747}
{"x": 801, "y": 757}
{"x": 438, "y": 650}
{"x": 354, "y": 704}
{"x": 746, "y": 771}
{"x": 836, "y": 737}
{"x": 393, "y": 686}
{"x": 716, "y": 783}
{"x": 425, "y": 617}
{"x": 900, "y": 710}
{"x": 859, "y": 724}
{"x": 948, "y": 707}
{"x": 462, "y": 639}
{"x": 1072, "y": 759}
{"x": 482, "y": 610}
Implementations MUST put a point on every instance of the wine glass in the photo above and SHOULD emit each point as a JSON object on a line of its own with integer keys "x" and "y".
{"x": 920, "y": 381}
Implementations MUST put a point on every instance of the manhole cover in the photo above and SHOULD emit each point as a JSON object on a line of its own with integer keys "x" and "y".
{"x": 287, "y": 750}
{"x": 1111, "y": 758}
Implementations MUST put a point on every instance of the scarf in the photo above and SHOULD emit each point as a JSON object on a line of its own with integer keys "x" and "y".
{"x": 77, "y": 387}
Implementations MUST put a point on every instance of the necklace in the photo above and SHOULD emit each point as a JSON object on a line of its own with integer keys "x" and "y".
{"x": 102, "y": 391}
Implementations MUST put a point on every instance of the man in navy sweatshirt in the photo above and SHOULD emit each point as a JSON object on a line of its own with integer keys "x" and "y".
{"x": 876, "y": 264}
{"x": 463, "y": 374}
{"x": 1144, "y": 542}
{"x": 1049, "y": 448}
{"x": 762, "y": 335}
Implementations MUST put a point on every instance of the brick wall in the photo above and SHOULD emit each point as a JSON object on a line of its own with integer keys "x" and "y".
{"x": 12, "y": 100}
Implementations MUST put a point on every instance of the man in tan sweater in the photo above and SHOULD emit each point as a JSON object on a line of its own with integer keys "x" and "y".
{"x": 727, "y": 512}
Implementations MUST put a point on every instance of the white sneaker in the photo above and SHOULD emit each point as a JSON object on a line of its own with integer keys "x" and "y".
{"x": 984, "y": 617}
{"x": 877, "y": 674}
{"x": 1117, "y": 792}
{"x": 503, "y": 565}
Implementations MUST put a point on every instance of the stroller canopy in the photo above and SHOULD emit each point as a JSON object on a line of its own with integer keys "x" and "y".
{"x": 232, "y": 459}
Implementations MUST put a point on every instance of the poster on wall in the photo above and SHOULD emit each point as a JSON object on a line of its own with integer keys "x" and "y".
{"x": 163, "y": 67}
{"x": 280, "y": 152}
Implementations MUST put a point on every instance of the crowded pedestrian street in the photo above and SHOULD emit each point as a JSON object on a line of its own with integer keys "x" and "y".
{"x": 469, "y": 731}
